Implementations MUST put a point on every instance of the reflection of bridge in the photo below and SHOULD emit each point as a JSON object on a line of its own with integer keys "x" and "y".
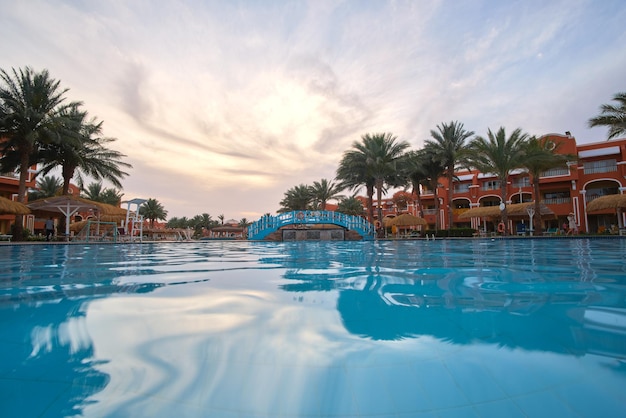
{"x": 267, "y": 224}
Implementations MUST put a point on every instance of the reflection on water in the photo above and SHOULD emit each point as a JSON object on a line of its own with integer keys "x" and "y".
{"x": 313, "y": 329}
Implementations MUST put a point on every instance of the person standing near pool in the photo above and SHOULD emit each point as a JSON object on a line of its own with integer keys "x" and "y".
{"x": 573, "y": 228}
{"x": 49, "y": 229}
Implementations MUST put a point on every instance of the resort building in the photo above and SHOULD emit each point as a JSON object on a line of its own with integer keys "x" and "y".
{"x": 9, "y": 185}
{"x": 598, "y": 170}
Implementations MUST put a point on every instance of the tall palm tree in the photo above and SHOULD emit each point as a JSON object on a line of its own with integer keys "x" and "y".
{"x": 414, "y": 171}
{"x": 111, "y": 196}
{"x": 29, "y": 116}
{"x": 376, "y": 162}
{"x": 449, "y": 147}
{"x": 153, "y": 211}
{"x": 612, "y": 116}
{"x": 353, "y": 174}
{"x": 82, "y": 151}
{"x": 322, "y": 191}
{"x": 350, "y": 206}
{"x": 47, "y": 186}
{"x": 297, "y": 198}
{"x": 422, "y": 167}
{"x": 539, "y": 158}
{"x": 94, "y": 191}
{"x": 499, "y": 155}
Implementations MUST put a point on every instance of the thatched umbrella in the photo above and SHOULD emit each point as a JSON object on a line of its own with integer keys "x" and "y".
{"x": 521, "y": 210}
{"x": 67, "y": 205}
{"x": 406, "y": 219}
{"x": 612, "y": 201}
{"x": 481, "y": 212}
{"x": 616, "y": 202}
{"x": 9, "y": 207}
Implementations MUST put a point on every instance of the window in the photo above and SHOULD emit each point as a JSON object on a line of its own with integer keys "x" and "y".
{"x": 552, "y": 198}
{"x": 491, "y": 185}
{"x": 461, "y": 188}
{"x": 603, "y": 166}
{"x": 521, "y": 182}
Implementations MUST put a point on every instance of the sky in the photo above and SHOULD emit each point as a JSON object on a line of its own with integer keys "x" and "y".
{"x": 222, "y": 106}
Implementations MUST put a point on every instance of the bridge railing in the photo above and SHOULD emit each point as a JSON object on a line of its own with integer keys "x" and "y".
{"x": 268, "y": 224}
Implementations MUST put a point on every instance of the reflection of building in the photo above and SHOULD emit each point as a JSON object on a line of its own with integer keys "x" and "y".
{"x": 600, "y": 170}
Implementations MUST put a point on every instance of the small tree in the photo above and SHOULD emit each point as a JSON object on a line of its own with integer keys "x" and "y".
{"x": 152, "y": 210}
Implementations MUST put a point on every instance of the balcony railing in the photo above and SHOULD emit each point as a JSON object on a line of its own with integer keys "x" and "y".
{"x": 556, "y": 200}
{"x": 601, "y": 169}
{"x": 555, "y": 172}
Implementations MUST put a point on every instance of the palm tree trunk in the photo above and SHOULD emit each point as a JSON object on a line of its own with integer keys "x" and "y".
{"x": 370, "y": 203}
{"x": 379, "y": 209}
{"x": 18, "y": 227}
{"x": 537, "y": 221}
{"x": 450, "y": 190}
{"x": 434, "y": 187}
{"x": 505, "y": 217}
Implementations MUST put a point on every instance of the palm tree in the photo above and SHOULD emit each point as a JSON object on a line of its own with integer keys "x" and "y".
{"x": 30, "y": 105}
{"x": 111, "y": 196}
{"x": 221, "y": 218}
{"x": 83, "y": 151}
{"x": 376, "y": 161}
{"x": 353, "y": 173}
{"x": 93, "y": 191}
{"x": 539, "y": 158}
{"x": 448, "y": 146}
{"x": 296, "y": 198}
{"x": 153, "y": 211}
{"x": 612, "y": 116}
{"x": 422, "y": 167}
{"x": 499, "y": 155}
{"x": 322, "y": 191}
{"x": 351, "y": 206}
{"x": 47, "y": 186}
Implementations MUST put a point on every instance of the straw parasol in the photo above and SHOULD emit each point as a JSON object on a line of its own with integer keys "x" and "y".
{"x": 406, "y": 219}
{"x": 521, "y": 210}
{"x": 515, "y": 210}
{"x": 612, "y": 201}
{"x": 481, "y": 212}
{"x": 9, "y": 207}
{"x": 67, "y": 205}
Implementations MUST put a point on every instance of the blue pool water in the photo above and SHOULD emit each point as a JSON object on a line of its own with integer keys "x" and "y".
{"x": 473, "y": 328}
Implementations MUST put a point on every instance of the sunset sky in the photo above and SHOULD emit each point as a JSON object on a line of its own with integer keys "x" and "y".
{"x": 221, "y": 106}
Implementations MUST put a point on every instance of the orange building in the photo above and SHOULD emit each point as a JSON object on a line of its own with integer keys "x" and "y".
{"x": 599, "y": 170}
{"x": 9, "y": 185}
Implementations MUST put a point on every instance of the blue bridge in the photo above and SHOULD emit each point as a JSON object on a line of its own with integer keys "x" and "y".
{"x": 267, "y": 224}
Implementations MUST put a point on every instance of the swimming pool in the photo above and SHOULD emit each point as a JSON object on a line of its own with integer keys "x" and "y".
{"x": 467, "y": 328}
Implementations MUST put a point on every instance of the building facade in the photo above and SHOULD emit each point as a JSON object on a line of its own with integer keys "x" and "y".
{"x": 9, "y": 185}
{"x": 598, "y": 170}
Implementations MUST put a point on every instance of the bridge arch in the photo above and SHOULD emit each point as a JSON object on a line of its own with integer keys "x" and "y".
{"x": 260, "y": 229}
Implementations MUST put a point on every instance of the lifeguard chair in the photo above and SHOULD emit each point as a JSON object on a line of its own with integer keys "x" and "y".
{"x": 133, "y": 227}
